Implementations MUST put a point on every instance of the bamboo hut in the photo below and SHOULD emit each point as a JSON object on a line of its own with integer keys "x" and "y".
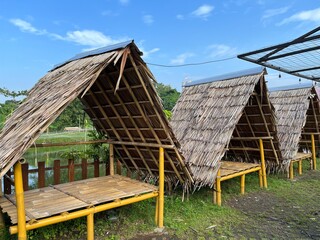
{"x": 223, "y": 118}
{"x": 116, "y": 88}
{"x": 298, "y": 118}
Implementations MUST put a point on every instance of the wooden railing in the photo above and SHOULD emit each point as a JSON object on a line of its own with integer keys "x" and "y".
{"x": 72, "y": 167}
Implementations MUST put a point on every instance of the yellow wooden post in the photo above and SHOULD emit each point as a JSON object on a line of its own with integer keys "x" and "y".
{"x": 218, "y": 188}
{"x": 314, "y": 159}
{"x": 242, "y": 183}
{"x": 111, "y": 159}
{"x": 263, "y": 164}
{"x": 18, "y": 185}
{"x": 161, "y": 187}
{"x": 300, "y": 167}
{"x": 291, "y": 170}
{"x": 90, "y": 226}
{"x": 260, "y": 178}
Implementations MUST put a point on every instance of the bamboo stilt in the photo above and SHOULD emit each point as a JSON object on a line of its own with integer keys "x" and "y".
{"x": 314, "y": 159}
{"x": 161, "y": 187}
{"x": 242, "y": 183}
{"x": 300, "y": 167}
{"x": 18, "y": 184}
{"x": 263, "y": 164}
{"x": 260, "y": 178}
{"x": 291, "y": 170}
{"x": 111, "y": 159}
{"x": 218, "y": 188}
{"x": 90, "y": 226}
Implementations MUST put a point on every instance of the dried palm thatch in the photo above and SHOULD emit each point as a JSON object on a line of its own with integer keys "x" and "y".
{"x": 297, "y": 112}
{"x": 116, "y": 88}
{"x": 211, "y": 112}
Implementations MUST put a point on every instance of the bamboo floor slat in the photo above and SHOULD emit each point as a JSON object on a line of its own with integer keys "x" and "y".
{"x": 229, "y": 168}
{"x": 301, "y": 156}
{"x": 53, "y": 200}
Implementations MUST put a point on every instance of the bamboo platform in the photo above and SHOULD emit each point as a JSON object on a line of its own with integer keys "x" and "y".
{"x": 62, "y": 198}
{"x": 230, "y": 170}
{"x": 298, "y": 159}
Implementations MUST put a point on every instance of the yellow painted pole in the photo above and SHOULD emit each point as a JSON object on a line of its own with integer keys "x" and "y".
{"x": 263, "y": 164}
{"x": 291, "y": 170}
{"x": 161, "y": 187}
{"x": 314, "y": 159}
{"x": 260, "y": 178}
{"x": 90, "y": 226}
{"x": 156, "y": 216}
{"x": 242, "y": 183}
{"x": 18, "y": 185}
{"x": 218, "y": 189}
{"x": 300, "y": 167}
{"x": 111, "y": 159}
{"x": 84, "y": 212}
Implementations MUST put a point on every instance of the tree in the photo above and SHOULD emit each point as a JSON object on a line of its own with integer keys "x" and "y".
{"x": 168, "y": 95}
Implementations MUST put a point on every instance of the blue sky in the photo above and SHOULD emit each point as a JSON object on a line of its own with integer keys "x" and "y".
{"x": 36, "y": 35}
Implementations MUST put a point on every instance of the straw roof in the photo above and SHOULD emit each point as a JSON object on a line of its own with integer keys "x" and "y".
{"x": 212, "y": 111}
{"x": 297, "y": 111}
{"x": 116, "y": 88}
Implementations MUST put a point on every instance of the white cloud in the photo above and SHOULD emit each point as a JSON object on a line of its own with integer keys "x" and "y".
{"x": 88, "y": 38}
{"x": 180, "y": 17}
{"x": 26, "y": 26}
{"x": 274, "y": 12}
{"x": 203, "y": 11}
{"x": 124, "y": 2}
{"x": 181, "y": 59}
{"x": 148, "y": 19}
{"x": 310, "y": 15}
{"x": 147, "y": 53}
{"x": 221, "y": 50}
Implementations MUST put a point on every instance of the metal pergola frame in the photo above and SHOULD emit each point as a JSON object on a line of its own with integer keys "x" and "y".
{"x": 299, "y": 57}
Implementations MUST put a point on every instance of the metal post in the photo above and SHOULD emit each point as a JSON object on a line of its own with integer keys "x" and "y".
{"x": 263, "y": 164}
{"x": 18, "y": 185}
{"x": 111, "y": 159}
{"x": 314, "y": 159}
{"x": 161, "y": 187}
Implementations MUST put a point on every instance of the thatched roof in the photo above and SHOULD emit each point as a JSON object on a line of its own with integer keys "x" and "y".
{"x": 116, "y": 88}
{"x": 212, "y": 111}
{"x": 297, "y": 111}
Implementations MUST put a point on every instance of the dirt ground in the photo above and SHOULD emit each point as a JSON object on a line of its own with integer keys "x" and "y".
{"x": 272, "y": 214}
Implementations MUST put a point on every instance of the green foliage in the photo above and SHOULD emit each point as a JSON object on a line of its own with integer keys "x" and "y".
{"x": 168, "y": 95}
{"x": 98, "y": 150}
{"x": 72, "y": 116}
{"x": 168, "y": 114}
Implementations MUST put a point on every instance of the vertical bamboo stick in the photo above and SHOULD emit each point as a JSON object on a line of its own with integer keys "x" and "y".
{"x": 263, "y": 164}
{"x": 18, "y": 184}
{"x": 161, "y": 187}
{"x": 242, "y": 183}
{"x": 111, "y": 159}
{"x": 291, "y": 170}
{"x": 300, "y": 167}
{"x": 314, "y": 159}
{"x": 218, "y": 188}
{"x": 90, "y": 226}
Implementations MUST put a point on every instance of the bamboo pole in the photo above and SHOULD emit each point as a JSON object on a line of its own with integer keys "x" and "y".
{"x": 218, "y": 189}
{"x": 291, "y": 170}
{"x": 111, "y": 159}
{"x": 263, "y": 164}
{"x": 314, "y": 159}
{"x": 242, "y": 183}
{"x": 300, "y": 167}
{"x": 161, "y": 187}
{"x": 90, "y": 226}
{"x": 18, "y": 184}
{"x": 84, "y": 212}
{"x": 237, "y": 174}
{"x": 260, "y": 178}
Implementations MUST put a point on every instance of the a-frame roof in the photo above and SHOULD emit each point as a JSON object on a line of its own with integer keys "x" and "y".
{"x": 117, "y": 90}
{"x": 297, "y": 112}
{"x": 211, "y": 111}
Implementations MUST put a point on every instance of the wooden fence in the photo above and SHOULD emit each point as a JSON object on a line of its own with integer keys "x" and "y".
{"x": 57, "y": 169}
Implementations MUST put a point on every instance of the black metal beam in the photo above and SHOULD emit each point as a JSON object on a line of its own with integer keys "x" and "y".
{"x": 305, "y": 69}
